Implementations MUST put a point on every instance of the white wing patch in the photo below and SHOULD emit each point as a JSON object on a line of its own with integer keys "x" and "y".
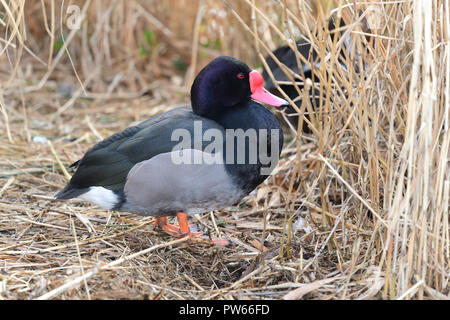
{"x": 102, "y": 197}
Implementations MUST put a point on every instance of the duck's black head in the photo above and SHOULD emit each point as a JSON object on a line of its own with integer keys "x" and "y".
{"x": 227, "y": 82}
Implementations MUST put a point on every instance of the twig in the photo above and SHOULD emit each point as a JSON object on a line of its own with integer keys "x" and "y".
{"x": 61, "y": 166}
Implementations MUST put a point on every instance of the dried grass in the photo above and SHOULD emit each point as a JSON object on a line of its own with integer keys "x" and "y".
{"x": 367, "y": 192}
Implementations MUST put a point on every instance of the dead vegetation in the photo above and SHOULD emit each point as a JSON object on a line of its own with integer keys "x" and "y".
{"x": 366, "y": 194}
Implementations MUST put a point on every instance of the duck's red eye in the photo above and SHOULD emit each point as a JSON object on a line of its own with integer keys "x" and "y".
{"x": 240, "y": 75}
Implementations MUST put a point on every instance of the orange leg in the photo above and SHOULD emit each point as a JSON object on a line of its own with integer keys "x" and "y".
{"x": 183, "y": 222}
{"x": 183, "y": 230}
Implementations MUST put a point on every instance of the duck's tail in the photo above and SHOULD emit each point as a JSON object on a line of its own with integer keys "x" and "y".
{"x": 70, "y": 192}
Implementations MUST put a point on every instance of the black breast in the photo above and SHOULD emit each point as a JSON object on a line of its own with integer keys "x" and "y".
{"x": 250, "y": 129}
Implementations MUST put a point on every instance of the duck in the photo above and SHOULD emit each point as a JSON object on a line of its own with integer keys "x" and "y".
{"x": 191, "y": 159}
{"x": 288, "y": 57}
{"x": 306, "y": 70}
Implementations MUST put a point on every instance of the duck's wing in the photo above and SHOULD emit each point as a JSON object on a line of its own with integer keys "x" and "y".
{"x": 107, "y": 163}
